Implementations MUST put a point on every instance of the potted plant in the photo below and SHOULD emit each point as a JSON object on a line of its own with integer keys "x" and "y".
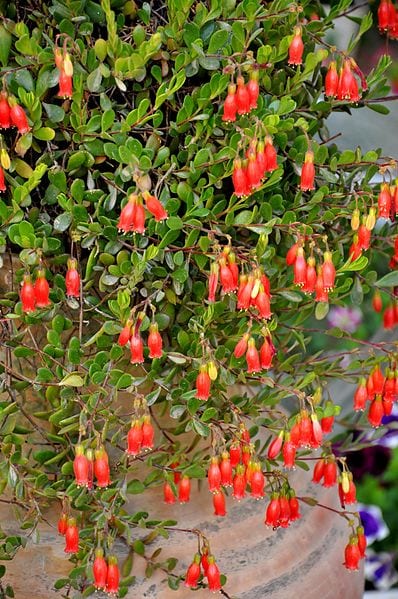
{"x": 176, "y": 223}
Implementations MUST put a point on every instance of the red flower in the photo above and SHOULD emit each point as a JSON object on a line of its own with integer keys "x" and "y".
{"x": 284, "y": 515}
{"x": 289, "y": 454}
{"x": 273, "y": 511}
{"x": 331, "y": 81}
{"x": 294, "y": 506}
{"x": 377, "y": 302}
{"x": 148, "y": 433}
{"x": 213, "y": 282}
{"x": 28, "y": 297}
{"x": 252, "y": 357}
{"x": 42, "y": 290}
{"x": 347, "y": 490}
{"x": 261, "y": 158}
{"x": 71, "y": 537}
{"x": 184, "y": 489}
{"x": 384, "y": 201}
{"x": 239, "y": 180}
{"x": 235, "y": 454}
{"x": 348, "y": 86}
{"x": 310, "y": 276}
{"x": 214, "y": 475}
{"x": 257, "y": 482}
{"x": 253, "y": 89}
{"x": 65, "y": 85}
{"x": 213, "y": 575}
{"x": 2, "y": 180}
{"x": 18, "y": 117}
{"x": 80, "y": 467}
{"x": 254, "y": 173}
{"x": 383, "y": 15}
{"x": 308, "y": 172}
{"x": 300, "y": 268}
{"x": 113, "y": 576}
{"x": 101, "y": 468}
{"x": 364, "y": 235}
{"x": 267, "y": 352}
{"x": 136, "y": 349}
{"x": 219, "y": 503}
{"x": 242, "y": 97}
{"x": 319, "y": 471}
{"x": 155, "y": 342}
{"x": 100, "y": 570}
{"x": 388, "y": 317}
{"x": 270, "y": 154}
{"x": 296, "y": 48}
{"x": 132, "y": 216}
{"x": 321, "y": 295}
{"x": 330, "y": 474}
{"x": 263, "y": 303}
{"x": 328, "y": 272}
{"x": 244, "y": 295}
{"x": 230, "y": 105}
{"x": 352, "y": 554}
{"x": 275, "y": 446}
{"x": 72, "y": 279}
{"x": 193, "y": 573}
{"x": 135, "y": 438}
{"x": 227, "y": 279}
{"x": 226, "y": 470}
{"x": 5, "y": 114}
{"x": 168, "y": 494}
{"x": 125, "y": 334}
{"x": 154, "y": 206}
{"x": 239, "y": 483}
{"x": 203, "y": 383}
{"x": 361, "y": 540}
{"x": 241, "y": 346}
{"x": 376, "y": 412}
{"x": 62, "y": 523}
{"x": 292, "y": 254}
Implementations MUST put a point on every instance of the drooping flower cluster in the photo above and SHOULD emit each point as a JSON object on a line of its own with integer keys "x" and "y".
{"x": 282, "y": 509}
{"x": 132, "y": 216}
{"x": 249, "y": 172}
{"x": 309, "y": 277}
{"x": 343, "y": 85}
{"x": 131, "y": 334}
{"x": 242, "y": 97}
{"x": 256, "y": 360}
{"x": 206, "y": 561}
{"x": 380, "y": 390}
{"x": 141, "y": 435}
{"x": 35, "y": 295}
{"x": 363, "y": 232}
{"x": 355, "y": 549}
{"x": 12, "y": 114}
{"x": 182, "y": 483}
{"x": 88, "y": 465}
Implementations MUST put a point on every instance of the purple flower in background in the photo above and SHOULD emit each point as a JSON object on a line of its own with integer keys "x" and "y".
{"x": 345, "y": 318}
{"x": 373, "y": 523}
{"x": 379, "y": 569}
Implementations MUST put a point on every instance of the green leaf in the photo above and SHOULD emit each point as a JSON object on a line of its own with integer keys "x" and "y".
{"x": 321, "y": 310}
{"x": 72, "y": 380}
{"x": 135, "y": 487}
{"x": 389, "y": 280}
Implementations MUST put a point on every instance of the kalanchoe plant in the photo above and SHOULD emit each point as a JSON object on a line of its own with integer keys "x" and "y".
{"x": 174, "y": 213}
